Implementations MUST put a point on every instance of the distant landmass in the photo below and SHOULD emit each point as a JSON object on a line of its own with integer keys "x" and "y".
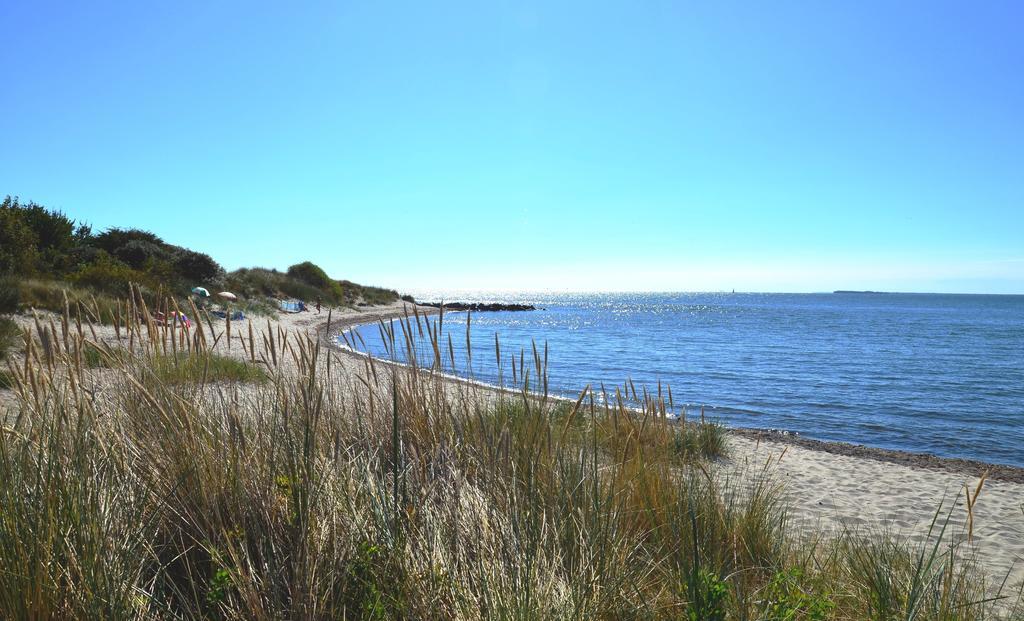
{"x": 478, "y": 307}
{"x": 872, "y": 292}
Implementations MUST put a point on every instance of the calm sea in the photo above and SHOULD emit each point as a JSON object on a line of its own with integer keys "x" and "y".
{"x": 941, "y": 374}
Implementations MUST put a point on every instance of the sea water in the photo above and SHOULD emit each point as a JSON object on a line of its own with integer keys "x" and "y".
{"x": 941, "y": 374}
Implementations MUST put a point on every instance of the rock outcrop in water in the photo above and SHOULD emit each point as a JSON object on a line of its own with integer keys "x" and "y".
{"x": 478, "y": 307}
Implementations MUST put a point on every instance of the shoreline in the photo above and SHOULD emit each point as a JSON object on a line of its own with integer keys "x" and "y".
{"x": 922, "y": 461}
{"x": 831, "y": 489}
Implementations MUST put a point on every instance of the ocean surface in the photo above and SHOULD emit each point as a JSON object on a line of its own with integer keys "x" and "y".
{"x": 933, "y": 373}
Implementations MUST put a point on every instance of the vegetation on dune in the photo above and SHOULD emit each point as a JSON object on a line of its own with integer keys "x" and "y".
{"x": 53, "y": 254}
{"x": 9, "y": 336}
{"x": 306, "y": 281}
{"x": 10, "y": 295}
{"x": 183, "y": 368}
{"x": 10, "y": 298}
{"x": 52, "y": 295}
{"x": 395, "y": 495}
{"x": 36, "y": 242}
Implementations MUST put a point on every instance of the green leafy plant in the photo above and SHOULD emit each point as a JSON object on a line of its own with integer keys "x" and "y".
{"x": 708, "y": 597}
{"x": 788, "y": 598}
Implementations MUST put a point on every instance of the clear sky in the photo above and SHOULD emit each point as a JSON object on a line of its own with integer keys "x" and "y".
{"x": 768, "y": 146}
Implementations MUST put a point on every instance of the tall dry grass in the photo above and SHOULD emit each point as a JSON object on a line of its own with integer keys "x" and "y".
{"x": 390, "y": 493}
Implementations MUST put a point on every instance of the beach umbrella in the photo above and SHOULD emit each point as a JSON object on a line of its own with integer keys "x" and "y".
{"x": 201, "y": 292}
{"x": 227, "y": 295}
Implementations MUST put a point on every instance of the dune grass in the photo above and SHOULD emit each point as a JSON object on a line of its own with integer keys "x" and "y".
{"x": 183, "y": 368}
{"x": 392, "y": 494}
{"x": 257, "y": 282}
{"x": 10, "y": 335}
{"x": 53, "y": 295}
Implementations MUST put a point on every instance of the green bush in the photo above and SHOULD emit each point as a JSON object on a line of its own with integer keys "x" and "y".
{"x": 195, "y": 267}
{"x": 708, "y": 596}
{"x": 299, "y": 290}
{"x": 55, "y": 234}
{"x": 787, "y": 598}
{"x": 114, "y": 238}
{"x": 173, "y": 267}
{"x": 137, "y": 253}
{"x": 310, "y": 273}
{"x": 18, "y": 242}
{"x": 268, "y": 282}
{"x": 109, "y": 275}
{"x": 35, "y": 239}
{"x": 262, "y": 282}
{"x": 44, "y": 244}
{"x": 9, "y": 336}
{"x": 10, "y": 296}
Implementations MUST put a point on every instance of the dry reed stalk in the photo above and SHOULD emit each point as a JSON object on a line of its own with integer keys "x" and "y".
{"x": 971, "y": 499}
{"x": 252, "y": 345}
{"x": 269, "y": 337}
{"x": 64, "y": 319}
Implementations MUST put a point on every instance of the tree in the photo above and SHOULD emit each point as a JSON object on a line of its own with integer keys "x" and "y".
{"x": 18, "y": 242}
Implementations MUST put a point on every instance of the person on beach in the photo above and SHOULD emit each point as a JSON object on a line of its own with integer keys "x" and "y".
{"x": 318, "y": 306}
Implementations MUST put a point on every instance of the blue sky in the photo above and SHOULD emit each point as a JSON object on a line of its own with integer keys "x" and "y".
{"x": 776, "y": 146}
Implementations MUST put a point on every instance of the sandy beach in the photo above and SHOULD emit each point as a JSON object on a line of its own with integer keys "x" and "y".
{"x": 832, "y": 487}
{"x": 836, "y": 486}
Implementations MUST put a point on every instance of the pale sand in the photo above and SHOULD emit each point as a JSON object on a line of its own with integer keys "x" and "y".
{"x": 828, "y": 490}
{"x": 833, "y": 492}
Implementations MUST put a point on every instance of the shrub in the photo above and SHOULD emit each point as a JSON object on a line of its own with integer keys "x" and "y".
{"x": 9, "y": 335}
{"x": 114, "y": 238}
{"x": 372, "y": 296}
{"x": 272, "y": 283}
{"x": 137, "y": 253}
{"x": 310, "y": 273}
{"x": 258, "y": 281}
{"x": 108, "y": 275}
{"x": 18, "y": 242}
{"x": 55, "y": 234}
{"x": 83, "y": 254}
{"x": 786, "y": 598}
{"x": 10, "y": 296}
{"x": 708, "y": 595}
{"x": 52, "y": 236}
{"x": 195, "y": 267}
